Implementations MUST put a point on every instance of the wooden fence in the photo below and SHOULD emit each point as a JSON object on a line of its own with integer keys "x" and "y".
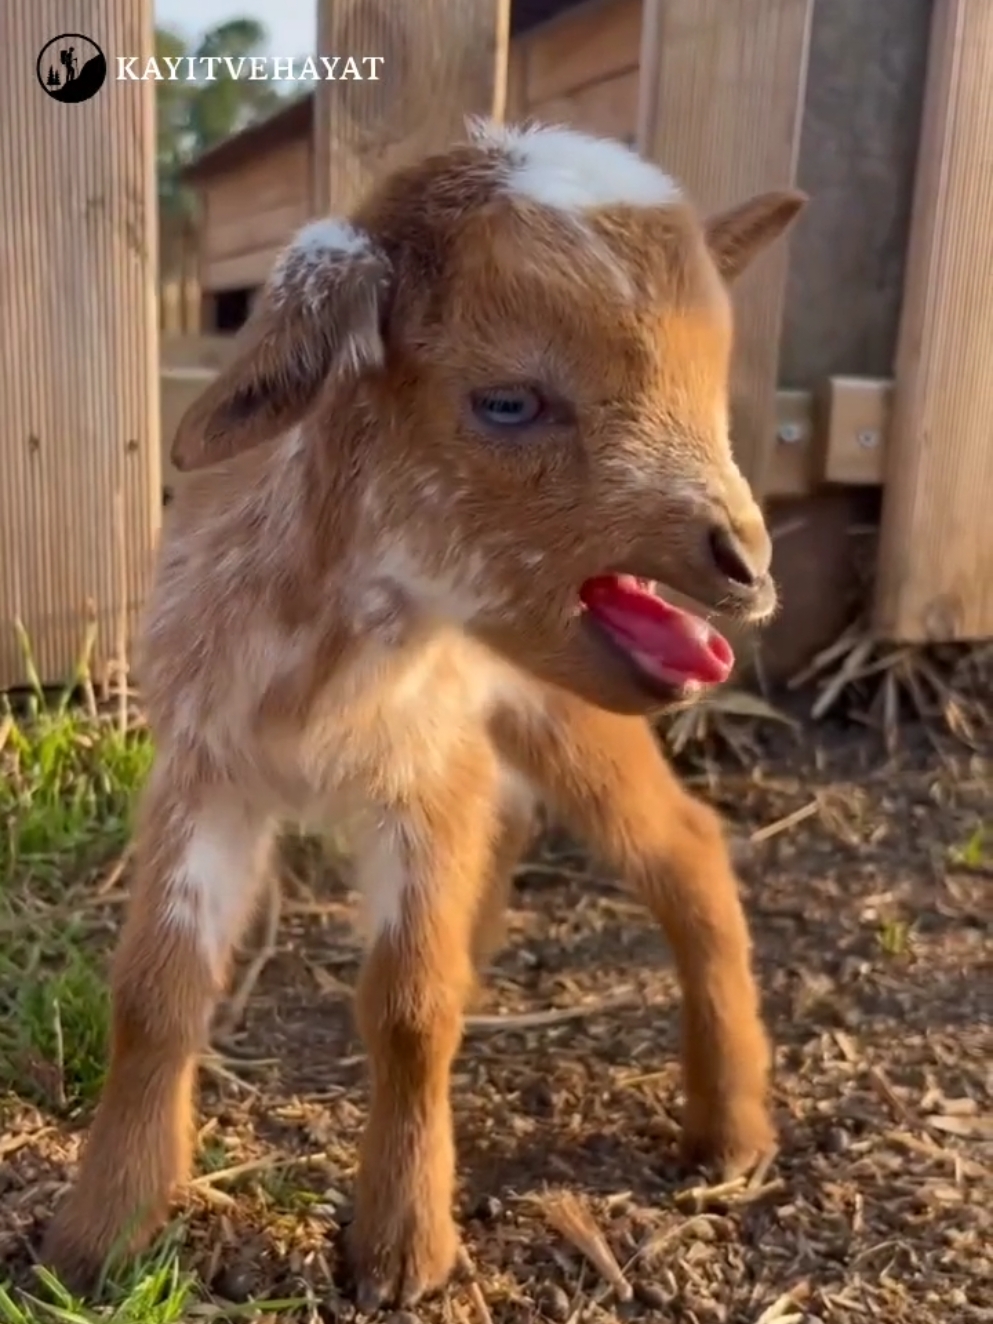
{"x": 80, "y": 488}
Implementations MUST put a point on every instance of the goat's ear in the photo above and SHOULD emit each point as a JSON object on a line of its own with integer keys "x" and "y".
{"x": 318, "y": 317}
{"x": 736, "y": 237}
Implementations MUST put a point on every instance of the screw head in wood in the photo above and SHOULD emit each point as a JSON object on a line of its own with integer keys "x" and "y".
{"x": 790, "y": 433}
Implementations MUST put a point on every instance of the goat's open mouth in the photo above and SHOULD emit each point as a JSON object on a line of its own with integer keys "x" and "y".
{"x": 670, "y": 648}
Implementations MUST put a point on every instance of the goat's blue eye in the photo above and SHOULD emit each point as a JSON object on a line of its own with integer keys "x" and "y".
{"x": 507, "y": 406}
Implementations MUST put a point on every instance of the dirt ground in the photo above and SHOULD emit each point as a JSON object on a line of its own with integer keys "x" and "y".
{"x": 871, "y": 911}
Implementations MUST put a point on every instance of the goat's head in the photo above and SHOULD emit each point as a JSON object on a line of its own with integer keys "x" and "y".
{"x": 512, "y": 361}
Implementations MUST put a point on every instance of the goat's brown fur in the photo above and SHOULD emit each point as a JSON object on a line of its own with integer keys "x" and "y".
{"x": 365, "y": 599}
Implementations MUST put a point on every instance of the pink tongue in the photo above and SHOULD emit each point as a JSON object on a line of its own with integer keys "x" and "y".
{"x": 672, "y": 642}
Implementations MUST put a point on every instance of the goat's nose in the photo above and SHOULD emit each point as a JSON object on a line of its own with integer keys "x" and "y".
{"x": 744, "y": 565}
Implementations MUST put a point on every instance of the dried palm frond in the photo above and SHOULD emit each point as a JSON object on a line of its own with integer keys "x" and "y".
{"x": 572, "y": 1219}
{"x": 725, "y": 720}
{"x": 878, "y": 682}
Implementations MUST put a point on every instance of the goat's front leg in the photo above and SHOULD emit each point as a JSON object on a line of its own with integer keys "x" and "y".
{"x": 199, "y": 857}
{"x": 423, "y": 880}
{"x": 607, "y": 777}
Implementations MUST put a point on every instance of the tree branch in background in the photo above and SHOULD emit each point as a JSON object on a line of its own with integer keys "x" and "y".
{"x": 194, "y": 115}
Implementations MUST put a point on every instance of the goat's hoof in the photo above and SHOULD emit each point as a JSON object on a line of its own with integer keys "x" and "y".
{"x": 66, "y": 1252}
{"x": 402, "y": 1259}
{"x": 88, "y": 1236}
{"x": 731, "y": 1140}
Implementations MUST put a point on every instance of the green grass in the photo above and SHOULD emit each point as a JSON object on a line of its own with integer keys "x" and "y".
{"x": 69, "y": 776}
{"x": 977, "y": 851}
{"x": 67, "y": 789}
{"x": 154, "y": 1290}
{"x": 895, "y": 937}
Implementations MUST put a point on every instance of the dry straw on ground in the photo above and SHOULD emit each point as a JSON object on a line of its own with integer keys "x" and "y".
{"x": 867, "y": 880}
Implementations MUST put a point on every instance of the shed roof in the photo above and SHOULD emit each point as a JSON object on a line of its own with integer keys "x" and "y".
{"x": 296, "y": 119}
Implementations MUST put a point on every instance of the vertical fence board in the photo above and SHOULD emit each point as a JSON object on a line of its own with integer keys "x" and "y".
{"x": 935, "y": 577}
{"x": 722, "y": 89}
{"x": 80, "y": 495}
{"x": 443, "y": 60}
{"x": 516, "y": 99}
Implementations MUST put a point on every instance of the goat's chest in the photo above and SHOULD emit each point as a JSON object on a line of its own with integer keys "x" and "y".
{"x": 390, "y": 724}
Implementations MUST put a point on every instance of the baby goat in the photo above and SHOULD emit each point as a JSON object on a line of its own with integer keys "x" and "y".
{"x": 468, "y": 432}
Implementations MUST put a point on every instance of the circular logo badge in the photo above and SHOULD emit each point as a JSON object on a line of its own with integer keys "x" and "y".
{"x": 71, "y": 67}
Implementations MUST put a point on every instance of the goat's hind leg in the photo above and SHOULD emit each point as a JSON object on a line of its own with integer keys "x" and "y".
{"x": 199, "y": 856}
{"x": 607, "y": 776}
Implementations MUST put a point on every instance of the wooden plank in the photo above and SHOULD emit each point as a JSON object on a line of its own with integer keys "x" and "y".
{"x": 498, "y": 43}
{"x": 816, "y": 566}
{"x": 205, "y": 208}
{"x": 856, "y": 412}
{"x": 208, "y": 313}
{"x": 210, "y": 351}
{"x": 516, "y": 107}
{"x": 192, "y": 305}
{"x": 170, "y": 307}
{"x": 80, "y": 493}
{"x": 721, "y": 102}
{"x": 935, "y": 577}
{"x": 242, "y": 272}
{"x": 442, "y": 60}
{"x": 179, "y": 387}
{"x": 835, "y": 435}
{"x": 278, "y": 176}
{"x": 793, "y": 462}
{"x": 597, "y": 40}
{"x": 609, "y": 108}
{"x": 858, "y": 155}
{"x": 258, "y": 228}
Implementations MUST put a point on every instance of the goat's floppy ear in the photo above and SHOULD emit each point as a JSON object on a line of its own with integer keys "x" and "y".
{"x": 318, "y": 316}
{"x": 737, "y": 236}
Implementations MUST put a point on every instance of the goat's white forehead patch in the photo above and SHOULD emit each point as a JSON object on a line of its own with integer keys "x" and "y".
{"x": 317, "y": 247}
{"x": 328, "y": 237}
{"x": 571, "y": 171}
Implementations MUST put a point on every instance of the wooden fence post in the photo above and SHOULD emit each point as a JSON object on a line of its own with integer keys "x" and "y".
{"x": 935, "y": 570}
{"x": 721, "y": 104}
{"x": 80, "y": 490}
{"x": 439, "y": 60}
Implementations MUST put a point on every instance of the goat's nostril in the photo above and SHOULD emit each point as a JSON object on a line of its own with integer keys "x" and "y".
{"x": 731, "y": 559}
